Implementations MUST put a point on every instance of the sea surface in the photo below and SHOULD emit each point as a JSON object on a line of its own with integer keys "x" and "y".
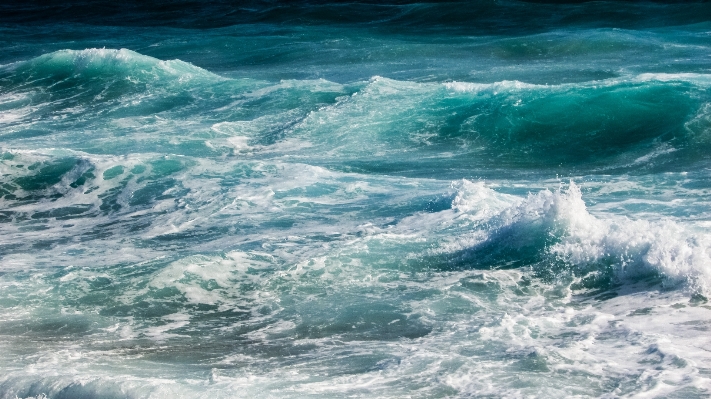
{"x": 259, "y": 199}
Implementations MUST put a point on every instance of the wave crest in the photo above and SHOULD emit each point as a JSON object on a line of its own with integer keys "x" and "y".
{"x": 95, "y": 62}
{"x": 552, "y": 228}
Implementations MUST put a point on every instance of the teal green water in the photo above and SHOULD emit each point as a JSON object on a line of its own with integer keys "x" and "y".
{"x": 404, "y": 200}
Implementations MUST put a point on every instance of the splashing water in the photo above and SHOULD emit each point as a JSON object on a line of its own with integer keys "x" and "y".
{"x": 419, "y": 200}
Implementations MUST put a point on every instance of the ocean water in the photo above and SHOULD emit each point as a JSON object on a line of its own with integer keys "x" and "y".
{"x": 490, "y": 199}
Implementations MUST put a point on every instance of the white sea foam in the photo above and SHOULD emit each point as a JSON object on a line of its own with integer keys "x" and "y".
{"x": 633, "y": 248}
{"x": 190, "y": 275}
{"x": 696, "y": 78}
{"x": 121, "y": 60}
{"x": 504, "y": 85}
{"x": 515, "y": 85}
{"x": 480, "y": 201}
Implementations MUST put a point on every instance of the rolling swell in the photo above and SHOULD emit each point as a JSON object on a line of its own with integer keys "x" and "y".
{"x": 96, "y": 63}
{"x": 640, "y": 122}
{"x": 90, "y": 96}
{"x": 99, "y": 81}
{"x": 616, "y": 124}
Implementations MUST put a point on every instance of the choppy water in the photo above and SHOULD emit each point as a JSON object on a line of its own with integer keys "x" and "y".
{"x": 485, "y": 199}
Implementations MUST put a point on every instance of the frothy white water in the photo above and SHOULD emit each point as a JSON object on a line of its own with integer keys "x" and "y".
{"x": 631, "y": 249}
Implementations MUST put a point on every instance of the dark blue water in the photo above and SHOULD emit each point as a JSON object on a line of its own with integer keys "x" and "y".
{"x": 351, "y": 199}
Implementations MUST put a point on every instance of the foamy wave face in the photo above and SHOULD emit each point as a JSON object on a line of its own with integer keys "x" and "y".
{"x": 555, "y": 226}
{"x": 637, "y": 248}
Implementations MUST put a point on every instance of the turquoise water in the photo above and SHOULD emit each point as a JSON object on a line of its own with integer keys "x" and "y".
{"x": 403, "y": 200}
